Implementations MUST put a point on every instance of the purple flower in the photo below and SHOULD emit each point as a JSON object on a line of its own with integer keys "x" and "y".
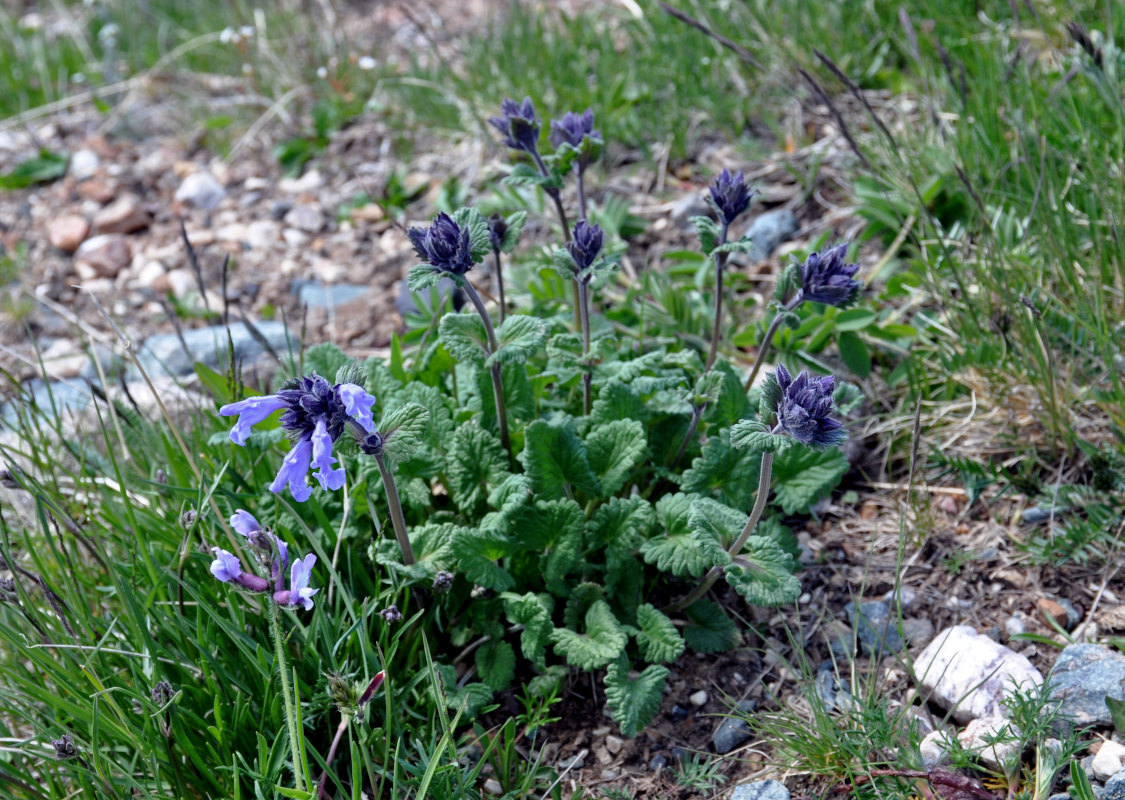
{"x": 804, "y": 406}
{"x": 226, "y": 566}
{"x": 243, "y": 522}
{"x": 444, "y": 245}
{"x": 316, "y": 415}
{"x": 730, "y": 195}
{"x": 64, "y": 748}
{"x": 497, "y": 230}
{"x": 585, "y": 244}
{"x": 825, "y": 278}
{"x": 573, "y": 128}
{"x": 519, "y": 125}
{"x": 299, "y": 593}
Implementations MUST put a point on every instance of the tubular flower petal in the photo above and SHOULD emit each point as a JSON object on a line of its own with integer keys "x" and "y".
{"x": 323, "y": 459}
{"x": 226, "y": 566}
{"x": 585, "y": 244}
{"x": 805, "y": 407}
{"x": 250, "y": 412}
{"x": 299, "y": 593}
{"x": 730, "y": 195}
{"x": 519, "y": 125}
{"x": 826, "y": 278}
{"x": 357, "y": 404}
{"x": 444, "y": 245}
{"x": 243, "y": 522}
{"x": 293, "y": 471}
{"x": 573, "y": 128}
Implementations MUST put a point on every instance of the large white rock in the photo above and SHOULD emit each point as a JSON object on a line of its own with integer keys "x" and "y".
{"x": 1109, "y": 760}
{"x": 980, "y": 737}
{"x": 970, "y": 673}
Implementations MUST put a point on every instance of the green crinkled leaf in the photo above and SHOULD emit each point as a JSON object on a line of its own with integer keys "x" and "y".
{"x": 614, "y": 449}
{"x": 708, "y": 231}
{"x": 325, "y": 359}
{"x": 847, "y": 397}
{"x": 678, "y": 548}
{"x": 549, "y": 683}
{"x": 621, "y": 522}
{"x": 548, "y": 521}
{"x": 658, "y": 638}
{"x": 556, "y": 460}
{"x": 602, "y": 642}
{"x": 563, "y": 264}
{"x": 512, "y": 493}
{"x": 526, "y": 175}
{"x": 579, "y": 602}
{"x": 477, "y": 552}
{"x": 479, "y": 241}
{"x": 633, "y": 702}
{"x": 475, "y": 465}
{"x": 788, "y": 282}
{"x": 771, "y": 394}
{"x": 802, "y": 476}
{"x": 563, "y": 558}
{"x": 763, "y": 573}
{"x": 519, "y": 338}
{"x": 403, "y": 429}
{"x": 707, "y": 388}
{"x": 422, "y": 276}
{"x": 496, "y": 664}
{"x": 709, "y": 629}
{"x": 515, "y": 223}
{"x": 533, "y": 612}
{"x": 616, "y": 401}
{"x": 743, "y": 245}
{"x": 517, "y": 395}
{"x": 755, "y": 436}
{"x": 467, "y": 700}
{"x": 432, "y": 551}
{"x": 463, "y": 335}
{"x": 724, "y": 473}
{"x": 731, "y": 404}
{"x": 712, "y": 519}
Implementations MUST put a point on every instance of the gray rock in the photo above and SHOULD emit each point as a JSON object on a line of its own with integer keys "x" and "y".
{"x": 1083, "y": 676}
{"x": 688, "y": 206}
{"x": 1115, "y": 787}
{"x": 574, "y": 762}
{"x": 917, "y": 630}
{"x": 875, "y": 627}
{"x": 68, "y": 395}
{"x": 305, "y": 217}
{"x": 200, "y": 189}
{"x": 760, "y": 790}
{"x": 934, "y": 749}
{"x": 733, "y": 730}
{"x": 83, "y": 164}
{"x": 833, "y": 694}
{"x": 164, "y": 353}
{"x": 657, "y": 762}
{"x": 769, "y": 230}
{"x": 317, "y": 295}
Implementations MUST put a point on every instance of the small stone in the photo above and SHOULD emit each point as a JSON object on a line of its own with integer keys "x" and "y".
{"x": 1108, "y": 761}
{"x": 692, "y": 205}
{"x": 934, "y": 749}
{"x": 1073, "y": 615}
{"x": 1014, "y": 626}
{"x": 769, "y": 230}
{"x": 294, "y": 237}
{"x": 263, "y": 233}
{"x": 201, "y": 190}
{"x": 1051, "y": 611}
{"x": 164, "y": 353}
{"x": 235, "y": 232}
{"x": 1083, "y": 677}
{"x": 97, "y": 190}
{"x": 68, "y": 232}
{"x": 492, "y": 786}
{"x": 760, "y": 790}
{"x": 305, "y": 217}
{"x": 150, "y": 275}
{"x": 614, "y": 744}
{"x": 679, "y": 713}
{"x": 182, "y": 282}
{"x": 734, "y": 730}
{"x": 875, "y": 627}
{"x": 574, "y": 762}
{"x": 612, "y": 773}
{"x": 979, "y": 732}
{"x": 906, "y": 596}
{"x": 63, "y": 359}
{"x": 306, "y": 183}
{"x": 698, "y": 699}
{"x": 83, "y": 164}
{"x": 105, "y": 255}
{"x": 123, "y": 215}
{"x": 917, "y": 630}
{"x": 972, "y": 674}
{"x": 657, "y": 762}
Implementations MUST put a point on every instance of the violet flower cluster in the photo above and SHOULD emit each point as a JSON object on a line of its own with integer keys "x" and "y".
{"x": 804, "y": 407}
{"x": 227, "y": 567}
{"x": 730, "y": 195}
{"x": 316, "y": 415}
{"x": 519, "y": 125}
{"x": 444, "y": 245}
{"x": 827, "y": 278}
{"x": 585, "y": 244}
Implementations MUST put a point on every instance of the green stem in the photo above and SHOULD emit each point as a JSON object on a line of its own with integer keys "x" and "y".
{"x": 286, "y": 693}
{"x": 584, "y": 320}
{"x": 497, "y": 376}
{"x": 716, "y": 332}
{"x": 755, "y": 514}
{"x": 767, "y": 340}
{"x": 499, "y": 284}
{"x": 397, "y": 518}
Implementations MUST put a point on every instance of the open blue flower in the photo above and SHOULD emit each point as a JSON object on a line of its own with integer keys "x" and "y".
{"x": 316, "y": 413}
{"x": 226, "y": 566}
{"x": 299, "y": 593}
{"x": 243, "y": 522}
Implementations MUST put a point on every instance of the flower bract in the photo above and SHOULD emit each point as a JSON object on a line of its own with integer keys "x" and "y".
{"x": 804, "y": 408}
{"x": 730, "y": 195}
{"x": 585, "y": 244}
{"x": 519, "y": 125}
{"x": 444, "y": 245}
{"x": 826, "y": 278}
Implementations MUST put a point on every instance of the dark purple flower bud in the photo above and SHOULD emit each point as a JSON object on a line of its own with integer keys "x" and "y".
{"x": 391, "y": 614}
{"x": 573, "y": 128}
{"x": 64, "y": 748}
{"x": 825, "y": 278}
{"x": 585, "y": 244}
{"x": 804, "y": 408}
{"x": 372, "y": 687}
{"x": 497, "y": 230}
{"x": 444, "y": 245}
{"x": 519, "y": 125}
{"x": 316, "y": 414}
{"x": 730, "y": 195}
{"x": 162, "y": 693}
{"x": 8, "y": 593}
{"x": 443, "y": 581}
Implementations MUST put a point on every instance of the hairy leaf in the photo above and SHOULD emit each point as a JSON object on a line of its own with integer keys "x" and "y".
{"x": 515, "y": 223}
{"x": 325, "y": 359}
{"x": 476, "y": 464}
{"x": 633, "y": 702}
{"x": 519, "y": 338}
{"x": 602, "y": 642}
{"x": 709, "y": 629}
{"x": 755, "y": 436}
{"x": 477, "y": 552}
{"x": 614, "y": 449}
{"x": 724, "y": 473}
{"x": 802, "y": 476}
{"x": 583, "y": 596}
{"x": 681, "y": 549}
{"x": 533, "y": 612}
{"x": 422, "y": 276}
{"x": 763, "y": 573}
{"x": 617, "y": 401}
{"x": 556, "y": 461}
{"x": 402, "y": 429}
{"x": 467, "y": 700}
{"x": 548, "y": 521}
{"x": 708, "y": 231}
{"x": 714, "y": 520}
{"x": 658, "y": 638}
{"x": 463, "y": 335}
{"x": 478, "y": 231}
{"x": 496, "y": 664}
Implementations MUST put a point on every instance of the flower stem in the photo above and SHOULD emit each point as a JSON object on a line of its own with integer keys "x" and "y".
{"x": 584, "y": 319}
{"x": 321, "y": 792}
{"x": 557, "y": 198}
{"x": 397, "y": 518}
{"x": 716, "y": 332}
{"x": 755, "y": 514}
{"x": 578, "y": 180}
{"x": 696, "y": 414}
{"x": 287, "y": 694}
{"x": 497, "y": 376}
{"x": 767, "y": 340}
{"x": 499, "y": 283}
